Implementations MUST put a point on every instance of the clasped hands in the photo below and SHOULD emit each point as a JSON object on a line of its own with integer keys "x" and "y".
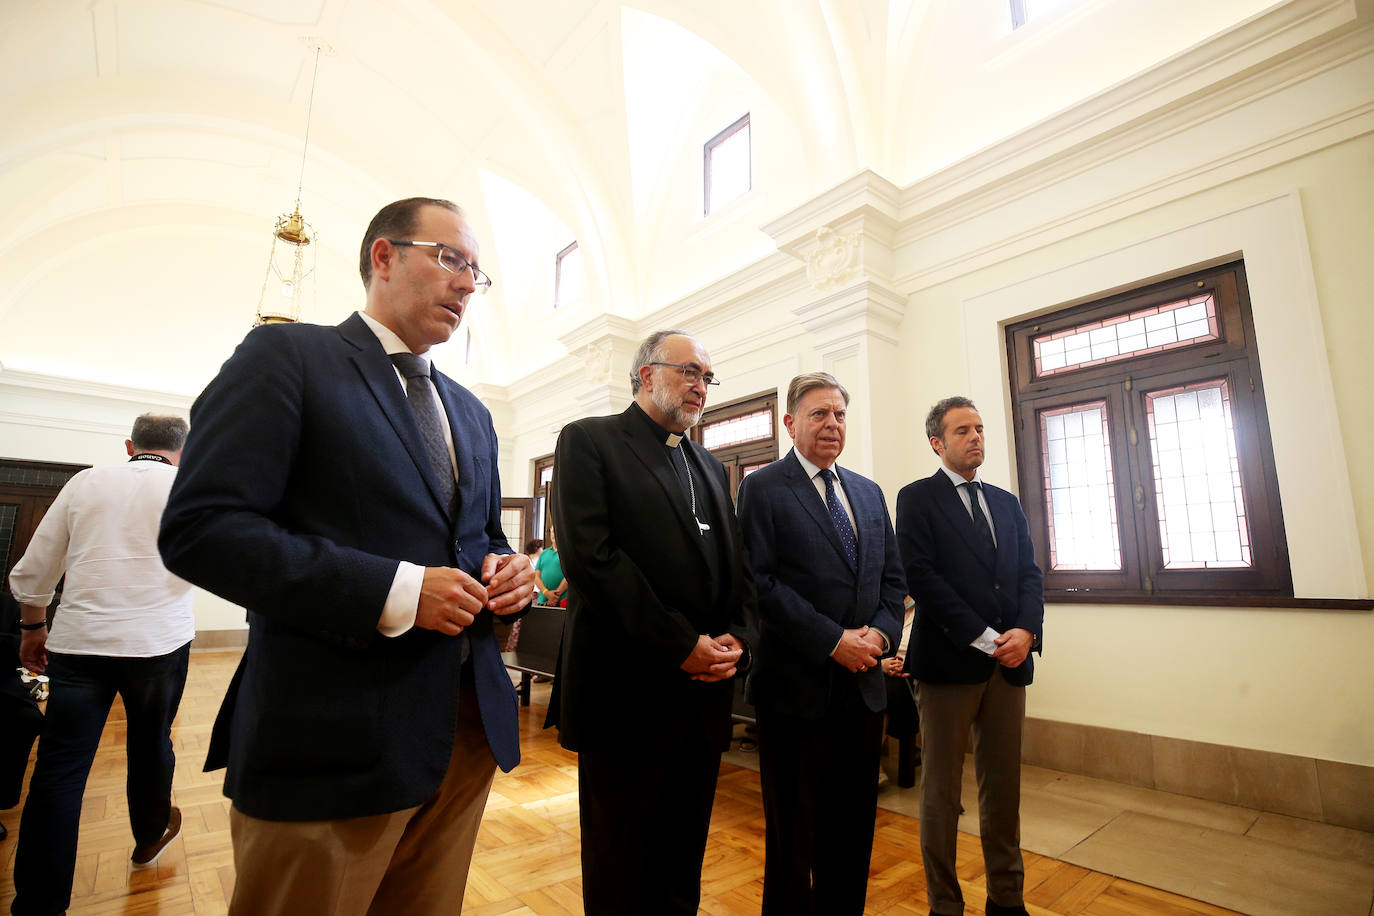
{"x": 450, "y": 599}
{"x": 859, "y": 649}
{"x": 714, "y": 658}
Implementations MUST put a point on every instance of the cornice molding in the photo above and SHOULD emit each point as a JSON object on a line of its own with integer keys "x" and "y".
{"x": 867, "y": 196}
{"x": 596, "y": 328}
{"x": 1270, "y": 49}
{"x": 38, "y": 381}
{"x": 864, "y": 309}
{"x": 64, "y": 423}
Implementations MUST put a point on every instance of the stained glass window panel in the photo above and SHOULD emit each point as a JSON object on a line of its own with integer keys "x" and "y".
{"x": 1202, "y": 521}
{"x": 1130, "y": 334}
{"x": 744, "y": 428}
{"x": 1080, "y": 503}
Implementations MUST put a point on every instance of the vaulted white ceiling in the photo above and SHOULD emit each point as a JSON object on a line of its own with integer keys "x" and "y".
{"x": 147, "y": 146}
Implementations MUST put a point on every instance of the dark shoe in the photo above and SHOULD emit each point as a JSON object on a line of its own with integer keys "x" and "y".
{"x": 145, "y": 856}
{"x": 996, "y": 909}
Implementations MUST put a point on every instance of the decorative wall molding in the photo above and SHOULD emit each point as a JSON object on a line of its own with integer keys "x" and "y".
{"x": 1282, "y": 44}
{"x": 864, "y": 308}
{"x": 65, "y": 423}
{"x": 83, "y": 388}
{"x": 1292, "y": 80}
{"x": 834, "y": 260}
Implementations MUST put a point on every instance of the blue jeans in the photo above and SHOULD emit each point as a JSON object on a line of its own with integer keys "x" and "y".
{"x": 83, "y": 689}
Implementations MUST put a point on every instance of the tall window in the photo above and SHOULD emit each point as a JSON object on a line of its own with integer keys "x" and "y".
{"x": 729, "y": 172}
{"x": 1143, "y": 443}
{"x": 1023, "y": 11}
{"x": 543, "y": 475}
{"x": 742, "y": 434}
{"x": 567, "y": 276}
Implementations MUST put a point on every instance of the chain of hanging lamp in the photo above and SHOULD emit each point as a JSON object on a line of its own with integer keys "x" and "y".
{"x": 295, "y": 234}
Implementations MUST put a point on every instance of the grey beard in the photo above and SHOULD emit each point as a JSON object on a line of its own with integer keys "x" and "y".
{"x": 678, "y": 413}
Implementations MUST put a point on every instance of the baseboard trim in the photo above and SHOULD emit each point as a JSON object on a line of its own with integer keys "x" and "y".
{"x": 1319, "y": 790}
{"x": 220, "y": 639}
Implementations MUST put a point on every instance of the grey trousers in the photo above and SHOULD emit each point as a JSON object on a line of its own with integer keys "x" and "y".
{"x": 994, "y": 711}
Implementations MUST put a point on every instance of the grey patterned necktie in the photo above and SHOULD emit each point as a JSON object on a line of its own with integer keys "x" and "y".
{"x": 980, "y": 521}
{"x": 418, "y": 393}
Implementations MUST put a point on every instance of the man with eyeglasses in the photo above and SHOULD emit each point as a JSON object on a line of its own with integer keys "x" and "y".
{"x": 660, "y": 614}
{"x": 345, "y": 493}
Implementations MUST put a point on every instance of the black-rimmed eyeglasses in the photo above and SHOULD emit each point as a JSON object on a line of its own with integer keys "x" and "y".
{"x": 451, "y": 261}
{"x": 691, "y": 374}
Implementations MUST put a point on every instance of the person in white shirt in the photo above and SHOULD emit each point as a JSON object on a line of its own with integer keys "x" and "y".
{"x": 124, "y": 626}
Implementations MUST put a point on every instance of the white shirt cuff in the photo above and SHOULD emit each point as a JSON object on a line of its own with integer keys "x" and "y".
{"x": 403, "y": 601}
{"x": 985, "y": 641}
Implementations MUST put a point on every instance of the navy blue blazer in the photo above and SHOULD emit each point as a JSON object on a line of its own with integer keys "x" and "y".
{"x": 303, "y": 482}
{"x": 809, "y": 593}
{"x": 958, "y": 593}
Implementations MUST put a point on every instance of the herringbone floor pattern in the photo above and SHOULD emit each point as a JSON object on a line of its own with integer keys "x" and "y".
{"x": 527, "y": 852}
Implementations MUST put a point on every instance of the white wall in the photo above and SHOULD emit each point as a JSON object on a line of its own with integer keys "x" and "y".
{"x": 50, "y": 419}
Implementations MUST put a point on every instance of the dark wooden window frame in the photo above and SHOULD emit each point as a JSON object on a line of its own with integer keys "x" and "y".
{"x": 1123, "y": 385}
{"x": 741, "y": 455}
{"x": 541, "y": 493}
{"x": 31, "y": 502}
{"x": 742, "y": 124}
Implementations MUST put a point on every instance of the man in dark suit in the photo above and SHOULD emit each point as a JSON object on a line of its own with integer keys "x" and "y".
{"x": 830, "y": 589}
{"x": 970, "y": 563}
{"x": 659, "y": 614}
{"x": 346, "y": 494}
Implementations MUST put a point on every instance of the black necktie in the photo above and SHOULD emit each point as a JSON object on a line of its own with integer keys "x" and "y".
{"x": 418, "y": 393}
{"x": 980, "y": 521}
{"x": 839, "y": 518}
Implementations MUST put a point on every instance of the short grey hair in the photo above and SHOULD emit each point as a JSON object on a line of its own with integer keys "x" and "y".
{"x": 808, "y": 382}
{"x": 651, "y": 351}
{"x": 935, "y": 420}
{"x": 154, "y": 433}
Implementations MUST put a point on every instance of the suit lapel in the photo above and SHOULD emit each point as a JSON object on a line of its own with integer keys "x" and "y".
{"x": 380, "y": 375}
{"x": 650, "y": 451}
{"x": 1002, "y": 524}
{"x": 804, "y": 489}
{"x": 462, "y": 431}
{"x": 953, "y": 507}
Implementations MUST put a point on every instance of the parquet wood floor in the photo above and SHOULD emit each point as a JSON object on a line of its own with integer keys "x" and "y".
{"x": 527, "y": 852}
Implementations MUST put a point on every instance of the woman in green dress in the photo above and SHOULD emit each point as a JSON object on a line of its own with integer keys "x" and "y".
{"x": 548, "y": 575}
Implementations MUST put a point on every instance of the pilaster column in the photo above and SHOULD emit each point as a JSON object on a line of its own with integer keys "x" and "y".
{"x": 606, "y": 345}
{"x": 846, "y": 238}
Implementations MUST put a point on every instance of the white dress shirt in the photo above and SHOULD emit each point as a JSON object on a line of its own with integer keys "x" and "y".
{"x": 813, "y": 471}
{"x": 984, "y": 643}
{"x": 119, "y": 599}
{"x": 403, "y": 600}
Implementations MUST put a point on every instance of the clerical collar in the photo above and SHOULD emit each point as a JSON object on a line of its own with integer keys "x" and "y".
{"x": 149, "y": 456}
{"x": 671, "y": 440}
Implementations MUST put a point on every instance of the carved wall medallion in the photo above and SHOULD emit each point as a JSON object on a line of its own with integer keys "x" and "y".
{"x": 833, "y": 261}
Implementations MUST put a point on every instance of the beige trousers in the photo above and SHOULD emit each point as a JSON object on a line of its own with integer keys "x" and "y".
{"x": 413, "y": 861}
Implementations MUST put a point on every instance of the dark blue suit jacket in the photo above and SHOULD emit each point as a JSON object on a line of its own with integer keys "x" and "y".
{"x": 808, "y": 592}
{"x": 958, "y": 593}
{"x": 303, "y": 482}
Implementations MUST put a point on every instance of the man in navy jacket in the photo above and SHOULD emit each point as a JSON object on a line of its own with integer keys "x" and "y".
{"x": 346, "y": 494}
{"x": 970, "y": 564}
{"x": 830, "y": 589}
